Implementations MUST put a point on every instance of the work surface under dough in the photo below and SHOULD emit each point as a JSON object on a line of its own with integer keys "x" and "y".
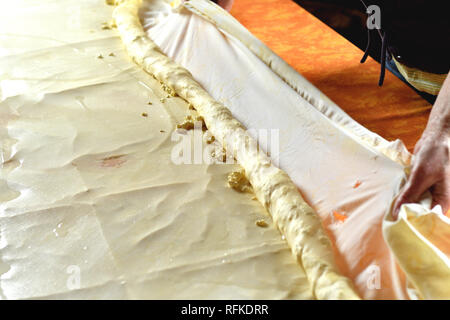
{"x": 88, "y": 185}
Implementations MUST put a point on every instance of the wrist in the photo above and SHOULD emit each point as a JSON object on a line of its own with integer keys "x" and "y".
{"x": 439, "y": 122}
{"x": 444, "y": 126}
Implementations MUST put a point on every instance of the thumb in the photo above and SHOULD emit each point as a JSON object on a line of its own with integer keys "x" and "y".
{"x": 412, "y": 191}
{"x": 441, "y": 195}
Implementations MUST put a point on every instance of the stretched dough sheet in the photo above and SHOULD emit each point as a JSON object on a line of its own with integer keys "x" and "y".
{"x": 341, "y": 168}
{"x": 91, "y": 204}
{"x": 273, "y": 187}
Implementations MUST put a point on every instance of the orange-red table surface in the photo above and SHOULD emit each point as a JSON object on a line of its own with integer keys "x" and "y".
{"x": 331, "y": 63}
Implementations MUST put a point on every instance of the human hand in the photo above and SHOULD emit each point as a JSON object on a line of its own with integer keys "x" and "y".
{"x": 430, "y": 170}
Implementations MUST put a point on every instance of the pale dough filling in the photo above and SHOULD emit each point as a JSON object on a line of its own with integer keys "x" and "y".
{"x": 238, "y": 181}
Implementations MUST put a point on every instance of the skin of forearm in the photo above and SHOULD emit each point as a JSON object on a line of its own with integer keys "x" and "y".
{"x": 439, "y": 120}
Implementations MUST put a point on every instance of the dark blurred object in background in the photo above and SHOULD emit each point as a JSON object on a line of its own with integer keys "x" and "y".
{"x": 419, "y": 30}
{"x": 348, "y": 18}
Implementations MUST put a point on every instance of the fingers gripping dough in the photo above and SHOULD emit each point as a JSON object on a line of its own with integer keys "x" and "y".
{"x": 273, "y": 187}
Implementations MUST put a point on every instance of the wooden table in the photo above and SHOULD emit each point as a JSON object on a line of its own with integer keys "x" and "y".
{"x": 331, "y": 63}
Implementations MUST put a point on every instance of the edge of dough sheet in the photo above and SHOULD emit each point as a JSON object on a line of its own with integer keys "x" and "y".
{"x": 295, "y": 219}
{"x": 424, "y": 231}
